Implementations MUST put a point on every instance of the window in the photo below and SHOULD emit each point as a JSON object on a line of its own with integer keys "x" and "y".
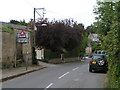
{"x": 96, "y": 57}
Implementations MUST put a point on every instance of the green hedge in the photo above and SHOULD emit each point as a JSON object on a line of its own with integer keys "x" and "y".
{"x": 50, "y": 54}
{"x": 112, "y": 45}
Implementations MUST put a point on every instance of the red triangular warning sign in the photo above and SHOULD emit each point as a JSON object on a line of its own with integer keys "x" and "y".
{"x": 22, "y": 34}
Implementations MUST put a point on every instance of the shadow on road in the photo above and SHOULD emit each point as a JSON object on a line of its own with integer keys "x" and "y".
{"x": 99, "y": 72}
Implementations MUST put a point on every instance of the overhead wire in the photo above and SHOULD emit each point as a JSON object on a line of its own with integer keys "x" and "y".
{"x": 33, "y": 5}
{"x": 59, "y": 14}
{"x": 30, "y": 4}
{"x": 56, "y": 14}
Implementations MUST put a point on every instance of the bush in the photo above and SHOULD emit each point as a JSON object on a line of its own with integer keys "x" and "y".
{"x": 51, "y": 55}
{"x": 8, "y": 29}
{"x": 112, "y": 43}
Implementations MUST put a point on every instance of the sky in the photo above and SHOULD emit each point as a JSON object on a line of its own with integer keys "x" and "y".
{"x": 79, "y": 10}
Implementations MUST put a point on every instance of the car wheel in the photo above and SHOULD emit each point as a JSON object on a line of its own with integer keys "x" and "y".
{"x": 90, "y": 69}
{"x": 101, "y": 62}
{"x": 106, "y": 70}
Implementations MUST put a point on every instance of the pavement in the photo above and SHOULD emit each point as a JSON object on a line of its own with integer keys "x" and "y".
{"x": 19, "y": 71}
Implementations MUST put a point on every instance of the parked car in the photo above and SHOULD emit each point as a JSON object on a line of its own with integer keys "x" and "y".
{"x": 85, "y": 56}
{"x": 98, "y": 63}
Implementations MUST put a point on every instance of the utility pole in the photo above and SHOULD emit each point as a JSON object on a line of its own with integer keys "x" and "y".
{"x": 42, "y": 18}
{"x": 34, "y": 28}
{"x": 43, "y": 13}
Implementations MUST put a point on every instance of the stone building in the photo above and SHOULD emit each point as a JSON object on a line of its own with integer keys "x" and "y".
{"x": 13, "y": 51}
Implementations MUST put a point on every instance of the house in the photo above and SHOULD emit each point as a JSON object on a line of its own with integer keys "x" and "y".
{"x": 94, "y": 37}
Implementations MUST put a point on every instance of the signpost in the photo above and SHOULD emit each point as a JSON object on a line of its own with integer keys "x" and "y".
{"x": 23, "y": 37}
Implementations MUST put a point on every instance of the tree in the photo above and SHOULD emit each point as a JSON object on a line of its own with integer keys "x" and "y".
{"x": 92, "y": 28}
{"x": 23, "y": 22}
{"x": 59, "y": 36}
{"x": 14, "y": 21}
{"x": 109, "y": 27}
{"x": 19, "y": 22}
{"x": 105, "y": 12}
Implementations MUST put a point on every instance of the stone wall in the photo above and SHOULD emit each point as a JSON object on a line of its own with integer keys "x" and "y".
{"x": 0, "y": 46}
{"x": 8, "y": 47}
{"x": 66, "y": 60}
{"x": 12, "y": 51}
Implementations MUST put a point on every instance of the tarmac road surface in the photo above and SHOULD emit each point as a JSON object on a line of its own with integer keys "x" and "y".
{"x": 68, "y": 75}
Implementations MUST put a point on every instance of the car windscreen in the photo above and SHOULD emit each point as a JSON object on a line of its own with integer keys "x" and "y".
{"x": 99, "y": 57}
{"x": 96, "y": 57}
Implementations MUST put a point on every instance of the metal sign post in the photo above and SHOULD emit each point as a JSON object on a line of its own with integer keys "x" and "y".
{"x": 26, "y": 61}
{"x": 23, "y": 37}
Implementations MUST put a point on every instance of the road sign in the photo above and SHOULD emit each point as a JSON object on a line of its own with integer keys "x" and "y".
{"x": 22, "y": 37}
{"x": 22, "y": 34}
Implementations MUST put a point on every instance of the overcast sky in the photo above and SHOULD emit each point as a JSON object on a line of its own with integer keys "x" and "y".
{"x": 80, "y": 10}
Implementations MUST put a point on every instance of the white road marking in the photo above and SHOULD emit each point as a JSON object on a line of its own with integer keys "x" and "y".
{"x": 63, "y": 75}
{"x": 75, "y": 68}
{"x": 49, "y": 85}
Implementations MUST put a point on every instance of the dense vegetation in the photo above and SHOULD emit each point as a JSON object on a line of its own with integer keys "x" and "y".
{"x": 108, "y": 25}
{"x": 63, "y": 36}
{"x": 7, "y": 29}
{"x": 21, "y": 22}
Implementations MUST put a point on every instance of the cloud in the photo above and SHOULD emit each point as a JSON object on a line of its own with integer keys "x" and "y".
{"x": 59, "y": 9}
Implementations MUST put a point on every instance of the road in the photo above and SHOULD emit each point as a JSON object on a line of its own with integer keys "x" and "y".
{"x": 69, "y": 75}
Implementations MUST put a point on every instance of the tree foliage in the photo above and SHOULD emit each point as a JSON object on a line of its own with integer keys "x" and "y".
{"x": 21, "y": 22}
{"x": 108, "y": 25}
{"x": 61, "y": 36}
{"x": 83, "y": 44}
{"x": 105, "y": 12}
{"x": 92, "y": 28}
